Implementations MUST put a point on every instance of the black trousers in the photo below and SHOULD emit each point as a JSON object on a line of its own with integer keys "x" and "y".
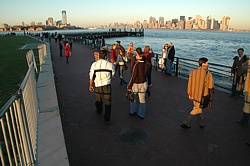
{"x": 238, "y": 81}
{"x": 103, "y": 95}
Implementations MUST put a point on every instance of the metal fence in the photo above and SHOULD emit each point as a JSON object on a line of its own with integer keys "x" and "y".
{"x": 18, "y": 120}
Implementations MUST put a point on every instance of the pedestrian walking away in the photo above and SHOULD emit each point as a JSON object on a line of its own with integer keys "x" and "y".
{"x": 138, "y": 86}
{"x": 67, "y": 52}
{"x": 100, "y": 75}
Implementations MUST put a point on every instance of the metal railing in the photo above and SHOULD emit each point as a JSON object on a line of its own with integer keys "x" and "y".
{"x": 18, "y": 120}
{"x": 183, "y": 66}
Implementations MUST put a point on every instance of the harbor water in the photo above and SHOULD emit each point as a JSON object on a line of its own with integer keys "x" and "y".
{"x": 219, "y": 47}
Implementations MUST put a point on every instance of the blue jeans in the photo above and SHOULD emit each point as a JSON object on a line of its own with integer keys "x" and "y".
{"x": 169, "y": 67}
{"x": 140, "y": 91}
{"x": 122, "y": 80}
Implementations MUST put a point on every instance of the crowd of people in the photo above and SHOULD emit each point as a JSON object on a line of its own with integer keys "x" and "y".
{"x": 140, "y": 80}
{"x": 200, "y": 83}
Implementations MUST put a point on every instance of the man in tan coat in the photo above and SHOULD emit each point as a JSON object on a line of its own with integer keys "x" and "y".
{"x": 200, "y": 84}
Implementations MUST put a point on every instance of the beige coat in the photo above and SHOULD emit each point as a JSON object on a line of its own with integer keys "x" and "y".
{"x": 247, "y": 82}
{"x": 196, "y": 82}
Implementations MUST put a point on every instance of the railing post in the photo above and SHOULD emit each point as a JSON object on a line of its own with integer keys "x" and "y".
{"x": 176, "y": 66}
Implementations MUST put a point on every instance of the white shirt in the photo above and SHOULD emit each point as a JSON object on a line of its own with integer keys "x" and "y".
{"x": 102, "y": 77}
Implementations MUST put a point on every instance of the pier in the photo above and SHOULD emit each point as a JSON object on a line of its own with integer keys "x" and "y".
{"x": 90, "y": 141}
{"x": 110, "y": 34}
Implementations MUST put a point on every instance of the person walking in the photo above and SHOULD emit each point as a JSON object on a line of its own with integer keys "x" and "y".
{"x": 60, "y": 48}
{"x": 246, "y": 109}
{"x": 138, "y": 86}
{"x": 100, "y": 74}
{"x": 170, "y": 59}
{"x": 200, "y": 83}
{"x": 112, "y": 56}
{"x": 67, "y": 52}
{"x": 130, "y": 51}
{"x": 149, "y": 55}
{"x": 238, "y": 75}
{"x": 134, "y": 59}
{"x": 121, "y": 63}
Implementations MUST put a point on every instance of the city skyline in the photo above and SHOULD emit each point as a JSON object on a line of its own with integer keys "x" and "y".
{"x": 85, "y": 14}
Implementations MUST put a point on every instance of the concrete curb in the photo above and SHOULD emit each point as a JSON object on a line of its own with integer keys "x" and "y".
{"x": 51, "y": 143}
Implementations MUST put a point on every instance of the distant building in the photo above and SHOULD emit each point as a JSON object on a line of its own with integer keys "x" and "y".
{"x": 161, "y": 21}
{"x": 174, "y": 23}
{"x": 64, "y": 17}
{"x": 58, "y": 22}
{"x": 32, "y": 23}
{"x": 145, "y": 24}
{"x": 189, "y": 24}
{"x": 216, "y": 24}
{"x": 225, "y": 23}
{"x": 39, "y": 23}
{"x": 50, "y": 21}
{"x": 209, "y": 22}
{"x": 181, "y": 25}
{"x": 4, "y": 26}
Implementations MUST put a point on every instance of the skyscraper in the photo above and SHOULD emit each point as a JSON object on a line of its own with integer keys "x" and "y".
{"x": 225, "y": 23}
{"x": 50, "y": 21}
{"x": 64, "y": 17}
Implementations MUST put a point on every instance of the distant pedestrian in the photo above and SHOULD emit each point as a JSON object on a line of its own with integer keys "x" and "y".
{"x": 138, "y": 86}
{"x": 71, "y": 44}
{"x": 164, "y": 54}
{"x": 170, "y": 59}
{"x": 122, "y": 66}
{"x": 67, "y": 52}
{"x": 100, "y": 74}
{"x": 149, "y": 55}
{"x": 130, "y": 51}
{"x": 246, "y": 109}
{"x": 60, "y": 48}
{"x": 103, "y": 42}
{"x": 238, "y": 75}
{"x": 113, "y": 57}
{"x": 200, "y": 83}
{"x": 118, "y": 47}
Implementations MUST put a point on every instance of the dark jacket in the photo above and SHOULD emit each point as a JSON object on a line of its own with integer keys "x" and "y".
{"x": 171, "y": 53}
{"x": 237, "y": 65}
{"x": 139, "y": 73}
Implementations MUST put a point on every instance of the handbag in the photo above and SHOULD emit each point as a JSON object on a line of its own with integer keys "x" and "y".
{"x": 204, "y": 99}
{"x": 130, "y": 97}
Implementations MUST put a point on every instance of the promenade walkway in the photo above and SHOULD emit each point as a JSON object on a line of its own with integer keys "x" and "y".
{"x": 90, "y": 142}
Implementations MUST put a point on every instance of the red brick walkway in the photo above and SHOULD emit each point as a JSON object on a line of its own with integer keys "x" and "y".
{"x": 90, "y": 142}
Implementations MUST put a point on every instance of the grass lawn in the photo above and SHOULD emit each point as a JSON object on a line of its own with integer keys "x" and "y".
{"x": 13, "y": 65}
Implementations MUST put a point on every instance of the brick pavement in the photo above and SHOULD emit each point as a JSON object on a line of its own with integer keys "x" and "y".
{"x": 90, "y": 142}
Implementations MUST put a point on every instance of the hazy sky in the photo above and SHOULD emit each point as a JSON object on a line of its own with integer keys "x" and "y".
{"x": 98, "y": 12}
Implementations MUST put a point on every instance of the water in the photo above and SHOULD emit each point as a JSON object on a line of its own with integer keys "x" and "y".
{"x": 218, "y": 47}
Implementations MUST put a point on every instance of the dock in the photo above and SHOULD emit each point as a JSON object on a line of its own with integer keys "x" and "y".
{"x": 90, "y": 142}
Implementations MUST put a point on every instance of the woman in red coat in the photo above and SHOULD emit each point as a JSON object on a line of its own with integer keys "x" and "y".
{"x": 67, "y": 52}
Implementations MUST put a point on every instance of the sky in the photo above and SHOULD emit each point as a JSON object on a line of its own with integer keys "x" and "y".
{"x": 86, "y": 13}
